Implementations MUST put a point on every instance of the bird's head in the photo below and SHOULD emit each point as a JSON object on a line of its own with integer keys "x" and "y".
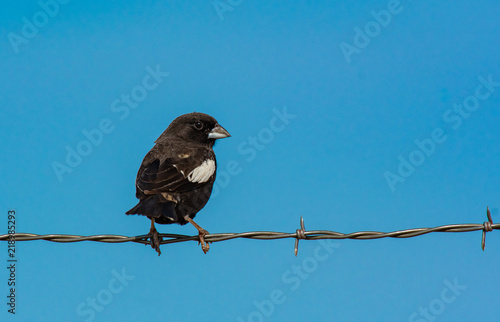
{"x": 196, "y": 127}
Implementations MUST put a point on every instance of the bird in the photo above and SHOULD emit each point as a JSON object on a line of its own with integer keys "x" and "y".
{"x": 175, "y": 179}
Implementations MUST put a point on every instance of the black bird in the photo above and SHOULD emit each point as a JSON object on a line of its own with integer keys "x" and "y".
{"x": 176, "y": 177}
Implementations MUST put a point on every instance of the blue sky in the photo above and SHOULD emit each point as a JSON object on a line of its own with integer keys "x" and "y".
{"x": 357, "y": 115}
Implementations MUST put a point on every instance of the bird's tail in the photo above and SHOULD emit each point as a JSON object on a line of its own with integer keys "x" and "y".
{"x": 146, "y": 207}
{"x": 162, "y": 212}
{"x": 137, "y": 210}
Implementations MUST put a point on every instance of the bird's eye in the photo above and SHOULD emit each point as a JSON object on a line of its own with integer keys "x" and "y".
{"x": 198, "y": 125}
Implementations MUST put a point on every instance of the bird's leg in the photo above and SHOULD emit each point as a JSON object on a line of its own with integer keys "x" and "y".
{"x": 201, "y": 232}
{"x": 155, "y": 240}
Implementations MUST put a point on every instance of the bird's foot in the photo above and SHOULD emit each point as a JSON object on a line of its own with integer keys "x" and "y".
{"x": 205, "y": 246}
{"x": 155, "y": 239}
{"x": 201, "y": 233}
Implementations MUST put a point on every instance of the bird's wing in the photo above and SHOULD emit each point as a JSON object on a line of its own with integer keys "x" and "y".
{"x": 178, "y": 173}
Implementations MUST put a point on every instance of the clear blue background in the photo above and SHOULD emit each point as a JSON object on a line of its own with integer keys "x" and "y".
{"x": 353, "y": 120}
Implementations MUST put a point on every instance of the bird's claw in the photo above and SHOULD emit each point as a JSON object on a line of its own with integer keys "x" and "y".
{"x": 155, "y": 240}
{"x": 205, "y": 246}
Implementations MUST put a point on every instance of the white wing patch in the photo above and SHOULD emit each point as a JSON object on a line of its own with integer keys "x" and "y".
{"x": 202, "y": 172}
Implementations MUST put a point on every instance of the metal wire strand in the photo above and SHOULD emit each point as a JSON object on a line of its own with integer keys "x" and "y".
{"x": 263, "y": 235}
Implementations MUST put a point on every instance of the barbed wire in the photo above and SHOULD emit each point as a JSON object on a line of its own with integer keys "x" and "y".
{"x": 301, "y": 233}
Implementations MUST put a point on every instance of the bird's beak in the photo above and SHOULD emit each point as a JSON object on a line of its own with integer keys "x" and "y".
{"x": 218, "y": 132}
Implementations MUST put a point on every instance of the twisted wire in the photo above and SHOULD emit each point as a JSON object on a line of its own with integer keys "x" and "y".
{"x": 262, "y": 235}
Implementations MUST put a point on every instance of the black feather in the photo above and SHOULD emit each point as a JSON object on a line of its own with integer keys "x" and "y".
{"x": 163, "y": 186}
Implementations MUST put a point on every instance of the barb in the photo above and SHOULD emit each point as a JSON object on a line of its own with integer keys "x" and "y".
{"x": 487, "y": 227}
{"x": 263, "y": 235}
{"x": 301, "y": 234}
